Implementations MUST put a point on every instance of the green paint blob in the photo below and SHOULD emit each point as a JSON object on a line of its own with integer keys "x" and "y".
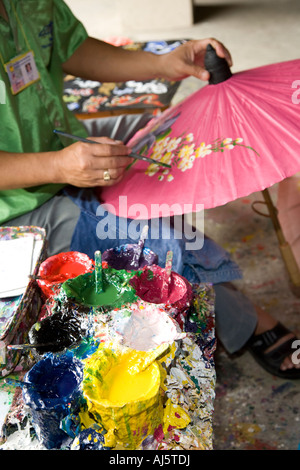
{"x": 116, "y": 290}
{"x": 108, "y": 296}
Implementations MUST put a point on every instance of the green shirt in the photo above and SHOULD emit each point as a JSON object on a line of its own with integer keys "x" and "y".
{"x": 29, "y": 117}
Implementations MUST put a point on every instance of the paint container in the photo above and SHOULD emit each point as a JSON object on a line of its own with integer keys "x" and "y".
{"x": 63, "y": 329}
{"x": 55, "y": 392}
{"x": 124, "y": 257}
{"x": 122, "y": 388}
{"x": 116, "y": 290}
{"x": 131, "y": 256}
{"x": 144, "y": 326}
{"x": 149, "y": 286}
{"x": 58, "y": 268}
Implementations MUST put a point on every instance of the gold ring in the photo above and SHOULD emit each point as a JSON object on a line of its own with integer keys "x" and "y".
{"x": 106, "y": 175}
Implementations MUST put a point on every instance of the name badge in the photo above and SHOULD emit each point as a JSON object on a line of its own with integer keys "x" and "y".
{"x": 22, "y": 72}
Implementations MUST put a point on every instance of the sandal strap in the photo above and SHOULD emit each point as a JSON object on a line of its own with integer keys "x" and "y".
{"x": 281, "y": 352}
{"x": 263, "y": 341}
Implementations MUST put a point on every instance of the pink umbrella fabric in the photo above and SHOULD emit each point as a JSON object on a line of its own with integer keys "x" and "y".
{"x": 225, "y": 141}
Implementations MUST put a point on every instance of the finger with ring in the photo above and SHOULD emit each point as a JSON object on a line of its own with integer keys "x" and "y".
{"x": 106, "y": 175}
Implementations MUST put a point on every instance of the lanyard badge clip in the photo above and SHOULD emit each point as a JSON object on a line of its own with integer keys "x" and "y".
{"x": 22, "y": 72}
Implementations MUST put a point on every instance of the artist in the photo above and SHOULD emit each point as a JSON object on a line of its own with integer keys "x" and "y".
{"x": 47, "y": 182}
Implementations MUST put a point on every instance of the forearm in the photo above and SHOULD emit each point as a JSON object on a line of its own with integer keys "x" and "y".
{"x": 24, "y": 170}
{"x": 80, "y": 164}
{"x": 97, "y": 60}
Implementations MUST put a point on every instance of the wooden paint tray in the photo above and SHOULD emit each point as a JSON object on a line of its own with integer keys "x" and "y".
{"x": 18, "y": 312}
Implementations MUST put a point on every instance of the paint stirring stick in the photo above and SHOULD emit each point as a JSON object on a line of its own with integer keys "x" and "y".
{"x": 98, "y": 271}
{"x": 146, "y": 360}
{"x": 140, "y": 247}
{"x": 167, "y": 275}
{"x": 23, "y": 383}
{"x": 90, "y": 141}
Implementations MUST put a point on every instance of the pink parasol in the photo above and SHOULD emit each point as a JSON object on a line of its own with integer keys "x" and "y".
{"x": 238, "y": 135}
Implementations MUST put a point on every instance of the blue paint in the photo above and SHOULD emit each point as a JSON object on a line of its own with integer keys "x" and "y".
{"x": 59, "y": 378}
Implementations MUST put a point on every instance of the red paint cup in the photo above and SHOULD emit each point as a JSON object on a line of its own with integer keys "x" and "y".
{"x": 58, "y": 268}
{"x": 149, "y": 287}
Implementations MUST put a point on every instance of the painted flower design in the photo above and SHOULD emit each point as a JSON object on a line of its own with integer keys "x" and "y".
{"x": 179, "y": 152}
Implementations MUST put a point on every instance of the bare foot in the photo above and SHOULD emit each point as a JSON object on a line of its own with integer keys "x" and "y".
{"x": 267, "y": 322}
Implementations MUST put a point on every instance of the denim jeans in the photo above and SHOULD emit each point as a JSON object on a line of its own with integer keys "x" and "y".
{"x": 210, "y": 264}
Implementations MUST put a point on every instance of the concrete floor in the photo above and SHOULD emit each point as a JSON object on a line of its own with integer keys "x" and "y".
{"x": 253, "y": 410}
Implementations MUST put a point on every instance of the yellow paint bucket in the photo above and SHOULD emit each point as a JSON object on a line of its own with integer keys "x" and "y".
{"x": 122, "y": 388}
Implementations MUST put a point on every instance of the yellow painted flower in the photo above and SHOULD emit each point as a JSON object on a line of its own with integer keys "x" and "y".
{"x": 186, "y": 157}
{"x": 190, "y": 137}
{"x": 228, "y": 143}
{"x": 203, "y": 150}
{"x": 172, "y": 144}
{"x": 152, "y": 169}
{"x": 167, "y": 158}
{"x": 159, "y": 146}
{"x": 228, "y": 140}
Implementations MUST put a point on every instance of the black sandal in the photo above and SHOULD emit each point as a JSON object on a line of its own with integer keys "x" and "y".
{"x": 272, "y": 360}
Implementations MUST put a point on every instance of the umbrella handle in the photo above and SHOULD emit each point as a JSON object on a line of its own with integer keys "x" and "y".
{"x": 285, "y": 249}
{"x": 217, "y": 67}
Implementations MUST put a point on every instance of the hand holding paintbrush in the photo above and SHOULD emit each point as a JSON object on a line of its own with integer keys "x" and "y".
{"x": 132, "y": 155}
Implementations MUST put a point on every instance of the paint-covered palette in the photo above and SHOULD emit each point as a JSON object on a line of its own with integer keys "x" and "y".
{"x": 95, "y": 337}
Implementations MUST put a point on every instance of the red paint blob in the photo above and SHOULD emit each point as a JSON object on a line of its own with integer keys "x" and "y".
{"x": 71, "y": 267}
{"x": 58, "y": 268}
{"x": 149, "y": 287}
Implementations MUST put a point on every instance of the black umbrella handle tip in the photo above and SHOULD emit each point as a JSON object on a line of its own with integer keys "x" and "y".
{"x": 217, "y": 67}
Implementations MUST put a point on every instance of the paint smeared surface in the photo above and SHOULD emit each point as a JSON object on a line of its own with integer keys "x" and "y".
{"x": 176, "y": 366}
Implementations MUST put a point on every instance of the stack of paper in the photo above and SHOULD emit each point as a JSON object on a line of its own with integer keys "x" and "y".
{"x": 18, "y": 258}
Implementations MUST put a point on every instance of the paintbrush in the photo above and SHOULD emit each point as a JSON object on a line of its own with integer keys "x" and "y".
{"x": 23, "y": 383}
{"x": 35, "y": 277}
{"x": 133, "y": 155}
{"x": 28, "y": 346}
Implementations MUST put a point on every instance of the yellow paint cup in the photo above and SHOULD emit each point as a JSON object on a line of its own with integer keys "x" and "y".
{"x": 122, "y": 388}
